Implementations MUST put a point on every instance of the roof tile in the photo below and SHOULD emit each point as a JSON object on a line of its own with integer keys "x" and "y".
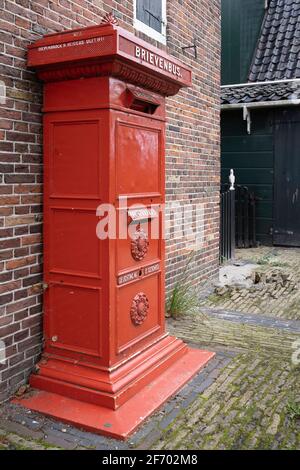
{"x": 261, "y": 92}
{"x": 277, "y": 53}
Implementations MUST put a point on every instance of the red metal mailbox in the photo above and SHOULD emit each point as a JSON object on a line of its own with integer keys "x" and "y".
{"x": 107, "y": 361}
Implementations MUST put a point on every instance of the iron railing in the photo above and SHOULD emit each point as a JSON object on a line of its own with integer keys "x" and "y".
{"x": 227, "y": 232}
{"x": 238, "y": 219}
{"x": 245, "y": 217}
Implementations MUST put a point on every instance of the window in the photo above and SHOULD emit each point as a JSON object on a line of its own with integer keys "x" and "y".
{"x": 150, "y": 18}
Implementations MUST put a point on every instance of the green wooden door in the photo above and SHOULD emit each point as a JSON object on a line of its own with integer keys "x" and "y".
{"x": 287, "y": 183}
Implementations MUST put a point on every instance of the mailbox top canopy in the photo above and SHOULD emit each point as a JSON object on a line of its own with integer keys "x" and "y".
{"x": 107, "y": 49}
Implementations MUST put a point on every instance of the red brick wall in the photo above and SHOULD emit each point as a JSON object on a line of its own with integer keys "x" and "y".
{"x": 193, "y": 131}
{"x": 192, "y": 155}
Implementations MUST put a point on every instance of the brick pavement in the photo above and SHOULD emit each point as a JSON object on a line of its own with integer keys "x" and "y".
{"x": 245, "y": 408}
{"x": 17, "y": 422}
{"x": 241, "y": 400}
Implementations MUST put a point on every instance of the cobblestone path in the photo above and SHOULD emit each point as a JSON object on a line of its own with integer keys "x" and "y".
{"x": 246, "y": 398}
{"x": 249, "y": 406}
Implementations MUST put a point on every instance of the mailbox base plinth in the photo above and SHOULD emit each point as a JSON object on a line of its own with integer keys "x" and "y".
{"x": 107, "y": 387}
{"x": 122, "y": 422}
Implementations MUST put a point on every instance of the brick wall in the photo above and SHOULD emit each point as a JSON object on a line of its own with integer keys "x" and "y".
{"x": 192, "y": 155}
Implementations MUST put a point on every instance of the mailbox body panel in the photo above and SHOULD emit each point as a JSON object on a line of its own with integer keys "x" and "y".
{"x": 140, "y": 141}
{"x": 75, "y": 183}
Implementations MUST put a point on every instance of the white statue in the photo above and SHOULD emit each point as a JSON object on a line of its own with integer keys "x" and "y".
{"x": 231, "y": 180}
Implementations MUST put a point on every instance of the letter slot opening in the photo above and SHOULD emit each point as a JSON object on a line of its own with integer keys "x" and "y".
{"x": 141, "y": 101}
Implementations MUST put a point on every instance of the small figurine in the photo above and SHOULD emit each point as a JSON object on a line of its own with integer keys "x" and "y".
{"x": 231, "y": 180}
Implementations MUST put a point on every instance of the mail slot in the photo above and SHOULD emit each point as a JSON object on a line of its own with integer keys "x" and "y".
{"x": 104, "y": 142}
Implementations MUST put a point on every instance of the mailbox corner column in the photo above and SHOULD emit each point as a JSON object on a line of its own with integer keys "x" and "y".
{"x": 108, "y": 362}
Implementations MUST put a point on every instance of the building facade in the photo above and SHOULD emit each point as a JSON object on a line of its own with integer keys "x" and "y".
{"x": 260, "y": 111}
{"x": 192, "y": 154}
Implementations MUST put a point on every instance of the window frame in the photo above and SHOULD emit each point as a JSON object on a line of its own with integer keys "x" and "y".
{"x": 152, "y": 33}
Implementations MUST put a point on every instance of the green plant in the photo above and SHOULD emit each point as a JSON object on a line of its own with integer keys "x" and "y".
{"x": 183, "y": 298}
{"x": 269, "y": 259}
{"x": 293, "y": 410}
{"x": 265, "y": 259}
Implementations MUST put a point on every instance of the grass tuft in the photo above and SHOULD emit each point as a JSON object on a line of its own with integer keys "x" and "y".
{"x": 293, "y": 410}
{"x": 183, "y": 298}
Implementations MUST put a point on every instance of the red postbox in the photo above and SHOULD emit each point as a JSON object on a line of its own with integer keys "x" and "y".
{"x": 107, "y": 361}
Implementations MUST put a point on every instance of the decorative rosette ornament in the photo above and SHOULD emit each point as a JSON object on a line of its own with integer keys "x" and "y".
{"x": 110, "y": 18}
{"x": 139, "y": 245}
{"x": 139, "y": 309}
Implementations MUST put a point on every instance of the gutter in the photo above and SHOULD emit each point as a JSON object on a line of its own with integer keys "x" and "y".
{"x": 260, "y": 104}
{"x": 267, "y": 82}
